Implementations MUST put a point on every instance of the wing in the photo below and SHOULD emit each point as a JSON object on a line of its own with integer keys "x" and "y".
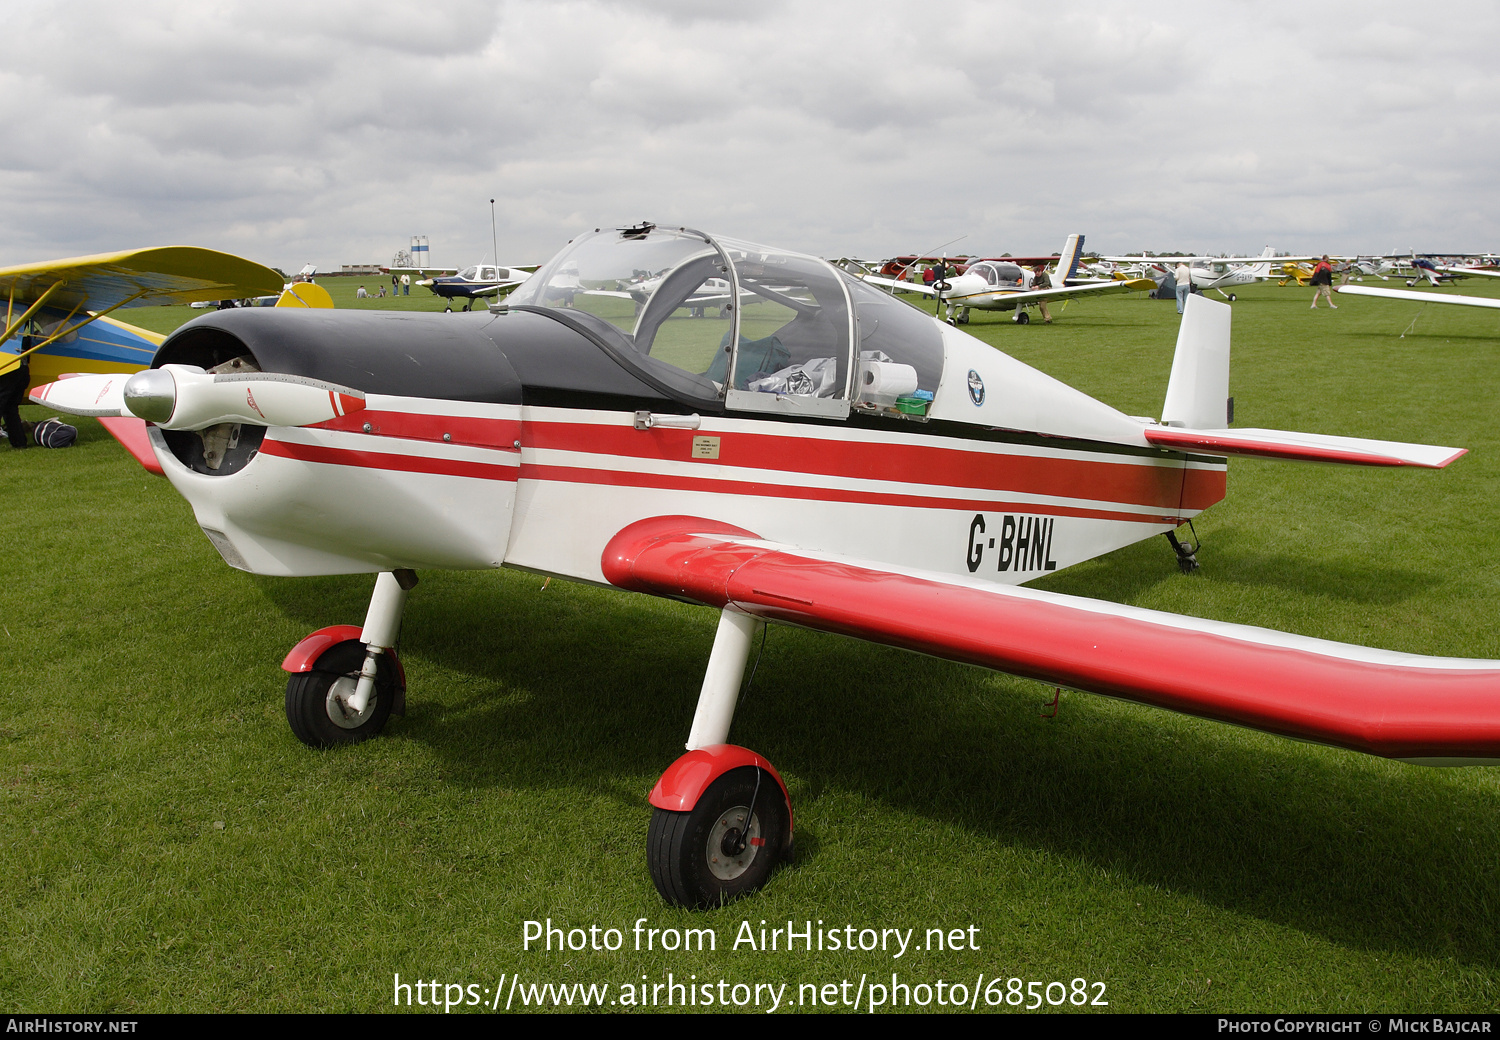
{"x": 1482, "y": 272}
{"x": 1376, "y": 701}
{"x": 131, "y": 433}
{"x": 170, "y": 274}
{"x": 891, "y": 283}
{"x": 498, "y": 288}
{"x": 1418, "y": 297}
{"x": 1069, "y": 292}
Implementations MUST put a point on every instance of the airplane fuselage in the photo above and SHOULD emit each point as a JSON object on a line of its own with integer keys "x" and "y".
{"x": 527, "y": 447}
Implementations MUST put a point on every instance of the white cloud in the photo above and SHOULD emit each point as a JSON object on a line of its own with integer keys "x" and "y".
{"x": 332, "y": 132}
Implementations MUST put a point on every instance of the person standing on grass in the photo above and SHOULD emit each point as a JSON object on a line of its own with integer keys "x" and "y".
{"x": 1042, "y": 281}
{"x": 15, "y": 376}
{"x": 1184, "y": 277}
{"x": 1322, "y": 283}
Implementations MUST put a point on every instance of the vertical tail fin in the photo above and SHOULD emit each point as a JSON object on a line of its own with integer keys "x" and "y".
{"x": 1263, "y": 270}
{"x": 1198, "y": 390}
{"x": 1067, "y": 262}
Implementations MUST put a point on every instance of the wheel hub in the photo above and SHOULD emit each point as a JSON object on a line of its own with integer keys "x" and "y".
{"x": 339, "y": 712}
{"x": 732, "y": 843}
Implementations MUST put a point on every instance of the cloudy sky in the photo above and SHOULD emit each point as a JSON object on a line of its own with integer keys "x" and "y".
{"x": 332, "y": 132}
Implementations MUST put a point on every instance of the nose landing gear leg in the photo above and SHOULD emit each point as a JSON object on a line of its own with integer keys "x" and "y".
{"x": 345, "y": 682}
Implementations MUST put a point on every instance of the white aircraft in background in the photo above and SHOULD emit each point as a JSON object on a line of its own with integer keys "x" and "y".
{"x": 1371, "y": 266}
{"x": 1004, "y": 285}
{"x": 1215, "y": 272}
{"x": 474, "y": 282}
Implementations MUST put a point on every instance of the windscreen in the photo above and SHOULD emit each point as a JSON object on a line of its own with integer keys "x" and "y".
{"x": 661, "y": 298}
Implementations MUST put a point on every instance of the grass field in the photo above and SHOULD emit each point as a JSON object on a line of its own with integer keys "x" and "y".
{"x": 167, "y": 844}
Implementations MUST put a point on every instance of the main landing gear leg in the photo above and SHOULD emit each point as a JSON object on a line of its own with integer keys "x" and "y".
{"x": 1187, "y": 553}
{"x": 722, "y": 818}
{"x": 345, "y": 681}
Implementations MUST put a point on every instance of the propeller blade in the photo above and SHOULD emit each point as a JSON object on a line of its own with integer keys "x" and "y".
{"x": 182, "y": 397}
{"x": 91, "y": 394}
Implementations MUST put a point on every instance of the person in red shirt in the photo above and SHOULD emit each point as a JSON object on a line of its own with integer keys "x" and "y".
{"x": 1322, "y": 282}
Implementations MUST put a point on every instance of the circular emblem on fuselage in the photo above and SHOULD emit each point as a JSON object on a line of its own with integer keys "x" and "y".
{"x": 976, "y": 387}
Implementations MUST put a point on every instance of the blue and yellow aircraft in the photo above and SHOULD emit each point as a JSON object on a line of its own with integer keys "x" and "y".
{"x": 57, "y": 312}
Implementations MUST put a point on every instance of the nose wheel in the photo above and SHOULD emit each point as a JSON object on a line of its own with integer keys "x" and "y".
{"x": 722, "y": 848}
{"x": 318, "y": 704}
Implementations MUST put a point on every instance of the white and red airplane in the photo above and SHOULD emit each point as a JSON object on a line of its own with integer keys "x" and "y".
{"x": 828, "y": 457}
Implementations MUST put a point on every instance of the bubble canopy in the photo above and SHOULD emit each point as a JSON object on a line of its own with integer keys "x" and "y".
{"x": 721, "y": 323}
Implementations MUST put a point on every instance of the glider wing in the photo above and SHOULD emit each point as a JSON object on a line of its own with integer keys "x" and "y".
{"x": 1417, "y": 297}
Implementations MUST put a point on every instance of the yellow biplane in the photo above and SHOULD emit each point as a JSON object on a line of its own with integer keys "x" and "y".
{"x": 57, "y": 312}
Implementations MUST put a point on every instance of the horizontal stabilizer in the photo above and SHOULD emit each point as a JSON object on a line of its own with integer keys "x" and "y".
{"x": 1429, "y": 709}
{"x": 1303, "y": 447}
{"x": 1418, "y": 297}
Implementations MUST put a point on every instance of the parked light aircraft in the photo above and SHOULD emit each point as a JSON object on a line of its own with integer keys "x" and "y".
{"x": 1214, "y": 272}
{"x": 828, "y": 457}
{"x": 57, "y": 312}
{"x": 1425, "y": 270}
{"x": 475, "y": 282}
{"x": 1219, "y": 275}
{"x": 1005, "y": 285}
{"x": 1371, "y": 266}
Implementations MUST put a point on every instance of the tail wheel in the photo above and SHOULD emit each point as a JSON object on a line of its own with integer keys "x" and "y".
{"x": 725, "y": 846}
{"x": 317, "y": 702}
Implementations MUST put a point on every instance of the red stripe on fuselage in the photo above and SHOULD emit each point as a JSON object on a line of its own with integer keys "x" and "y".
{"x": 1147, "y": 493}
{"x": 746, "y": 488}
{"x": 1142, "y": 483}
{"x": 497, "y": 434}
{"x": 381, "y": 460}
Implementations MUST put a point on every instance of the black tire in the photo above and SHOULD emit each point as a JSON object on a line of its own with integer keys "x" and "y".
{"x": 1022, "y": 318}
{"x": 1231, "y": 297}
{"x": 448, "y": 309}
{"x": 309, "y": 712}
{"x": 699, "y": 859}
